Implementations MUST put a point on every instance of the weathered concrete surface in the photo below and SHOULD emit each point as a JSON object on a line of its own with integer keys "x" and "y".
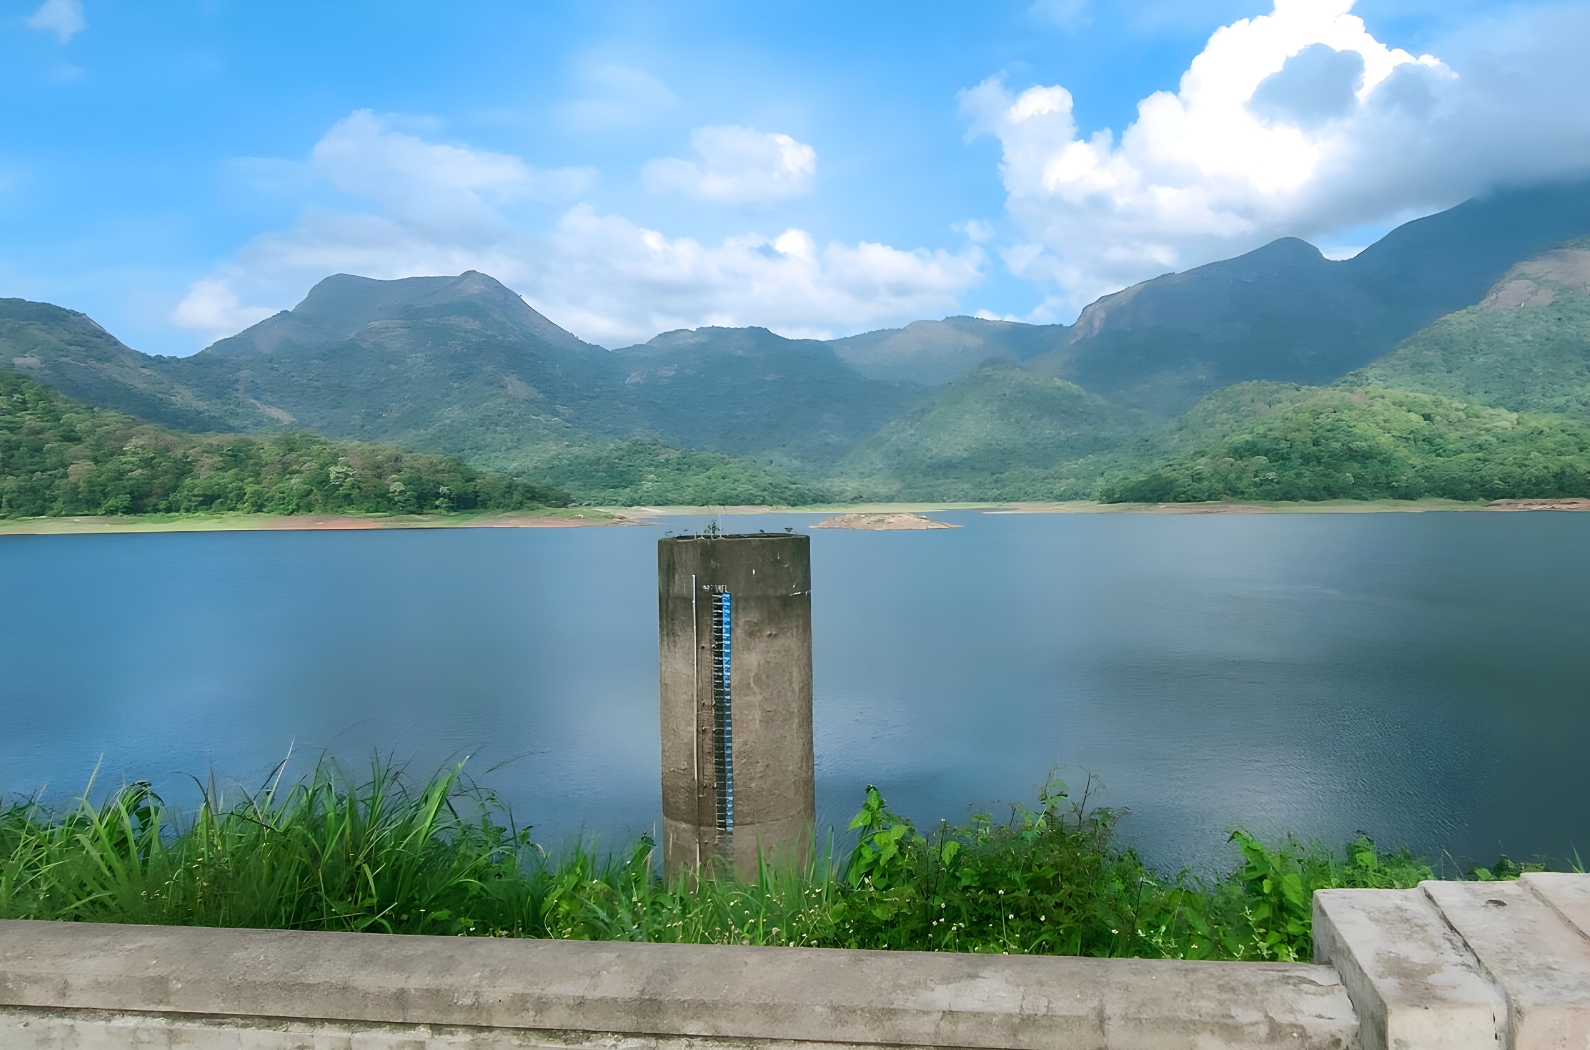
{"x": 1540, "y": 961}
{"x": 86, "y": 986}
{"x": 1448, "y": 966}
{"x": 1464, "y": 964}
{"x": 1568, "y": 895}
{"x": 1409, "y": 975}
{"x": 775, "y": 809}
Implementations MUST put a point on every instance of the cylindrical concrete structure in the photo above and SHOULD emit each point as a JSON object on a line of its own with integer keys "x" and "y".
{"x": 734, "y": 647}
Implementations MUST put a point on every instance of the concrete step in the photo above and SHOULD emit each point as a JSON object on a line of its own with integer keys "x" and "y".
{"x": 1568, "y": 895}
{"x": 1464, "y": 965}
{"x": 1410, "y": 977}
{"x": 1540, "y": 960}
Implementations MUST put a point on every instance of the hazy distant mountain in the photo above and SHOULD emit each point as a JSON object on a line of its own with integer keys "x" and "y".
{"x": 789, "y": 403}
{"x": 934, "y": 352}
{"x": 1285, "y": 313}
{"x": 923, "y": 353}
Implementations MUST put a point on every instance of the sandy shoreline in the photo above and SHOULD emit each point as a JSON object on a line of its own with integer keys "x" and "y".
{"x": 863, "y": 516}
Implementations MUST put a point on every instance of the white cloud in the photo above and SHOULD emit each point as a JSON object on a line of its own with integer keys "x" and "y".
{"x": 975, "y": 230}
{"x": 1296, "y": 122}
{"x": 737, "y": 166}
{"x": 64, "y": 18}
{"x": 429, "y": 184}
{"x": 212, "y": 305}
{"x": 613, "y": 97}
{"x": 615, "y": 282}
{"x": 443, "y": 209}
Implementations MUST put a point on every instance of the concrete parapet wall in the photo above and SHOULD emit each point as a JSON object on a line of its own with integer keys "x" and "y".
{"x": 85, "y": 986}
{"x": 1447, "y": 966}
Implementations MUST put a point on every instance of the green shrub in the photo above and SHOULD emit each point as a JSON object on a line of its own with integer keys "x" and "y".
{"x": 384, "y": 854}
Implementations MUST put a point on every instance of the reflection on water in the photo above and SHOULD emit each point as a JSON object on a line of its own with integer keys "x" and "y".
{"x": 1420, "y": 677}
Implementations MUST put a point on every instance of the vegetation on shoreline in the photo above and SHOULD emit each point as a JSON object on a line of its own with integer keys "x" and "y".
{"x": 59, "y": 457}
{"x": 385, "y": 854}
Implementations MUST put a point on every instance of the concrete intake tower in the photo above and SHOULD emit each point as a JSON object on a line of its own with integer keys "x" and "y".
{"x": 734, "y": 646}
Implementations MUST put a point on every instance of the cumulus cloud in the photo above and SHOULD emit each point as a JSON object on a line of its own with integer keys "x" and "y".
{"x": 212, "y": 305}
{"x": 1295, "y": 122}
{"x": 64, "y": 18}
{"x": 736, "y": 166}
{"x": 975, "y": 230}
{"x": 430, "y": 208}
{"x": 434, "y": 184}
{"x": 613, "y": 281}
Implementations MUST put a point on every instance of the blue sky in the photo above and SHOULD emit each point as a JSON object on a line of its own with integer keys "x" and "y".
{"x": 179, "y": 170}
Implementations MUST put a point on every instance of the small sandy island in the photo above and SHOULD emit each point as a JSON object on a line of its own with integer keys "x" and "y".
{"x": 1538, "y": 504}
{"x": 883, "y": 522}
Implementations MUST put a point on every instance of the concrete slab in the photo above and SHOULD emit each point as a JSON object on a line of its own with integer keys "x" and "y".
{"x": 1567, "y": 893}
{"x": 377, "y": 991}
{"x": 1409, "y": 975}
{"x": 1541, "y": 962}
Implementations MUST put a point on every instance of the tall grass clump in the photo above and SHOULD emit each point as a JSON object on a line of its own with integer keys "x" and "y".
{"x": 329, "y": 852}
{"x": 380, "y": 852}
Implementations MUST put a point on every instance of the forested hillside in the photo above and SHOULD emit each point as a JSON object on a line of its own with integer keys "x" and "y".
{"x": 59, "y": 457}
{"x": 1364, "y": 443}
{"x": 999, "y": 433}
{"x": 1188, "y": 368}
{"x": 1525, "y": 347}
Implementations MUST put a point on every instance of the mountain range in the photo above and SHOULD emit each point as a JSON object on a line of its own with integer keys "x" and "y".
{"x": 1487, "y": 303}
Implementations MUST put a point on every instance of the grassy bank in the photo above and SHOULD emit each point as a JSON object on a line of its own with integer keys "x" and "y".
{"x": 381, "y": 853}
{"x": 232, "y": 521}
{"x": 238, "y": 521}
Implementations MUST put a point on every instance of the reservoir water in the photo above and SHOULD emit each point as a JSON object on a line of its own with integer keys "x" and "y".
{"x": 1418, "y": 677}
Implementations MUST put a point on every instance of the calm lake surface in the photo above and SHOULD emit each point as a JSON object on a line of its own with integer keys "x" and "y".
{"x": 1419, "y": 677}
